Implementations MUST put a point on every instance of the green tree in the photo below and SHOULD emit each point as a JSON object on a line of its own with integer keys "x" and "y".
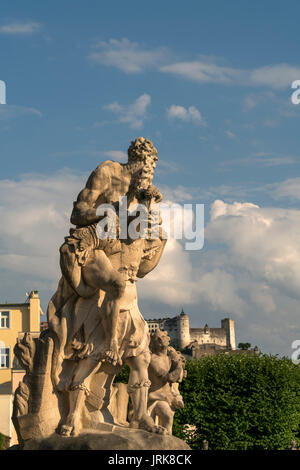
{"x": 244, "y": 346}
{"x": 123, "y": 375}
{"x": 240, "y": 402}
{"x": 2, "y": 441}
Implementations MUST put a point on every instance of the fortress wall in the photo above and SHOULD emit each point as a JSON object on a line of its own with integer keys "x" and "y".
{"x": 181, "y": 335}
{"x": 214, "y": 335}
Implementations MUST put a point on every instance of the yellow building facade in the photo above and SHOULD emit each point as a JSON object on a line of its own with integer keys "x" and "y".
{"x": 15, "y": 320}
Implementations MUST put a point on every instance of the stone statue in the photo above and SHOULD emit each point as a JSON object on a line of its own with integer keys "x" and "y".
{"x": 94, "y": 322}
{"x": 166, "y": 371}
{"x": 94, "y": 312}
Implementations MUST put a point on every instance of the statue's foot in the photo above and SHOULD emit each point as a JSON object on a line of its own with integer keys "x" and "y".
{"x": 147, "y": 424}
{"x": 75, "y": 431}
{"x": 65, "y": 430}
{"x": 134, "y": 424}
{"x": 86, "y": 351}
{"x": 112, "y": 355}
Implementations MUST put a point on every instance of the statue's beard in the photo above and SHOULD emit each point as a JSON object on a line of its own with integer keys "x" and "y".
{"x": 134, "y": 167}
{"x": 143, "y": 178}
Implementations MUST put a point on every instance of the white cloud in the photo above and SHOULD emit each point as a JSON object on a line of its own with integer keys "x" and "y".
{"x": 20, "y": 28}
{"x": 10, "y": 111}
{"x": 230, "y": 134}
{"x": 118, "y": 155}
{"x": 249, "y": 269}
{"x": 134, "y": 114}
{"x": 178, "y": 194}
{"x": 191, "y": 114}
{"x": 203, "y": 71}
{"x": 130, "y": 57}
{"x": 261, "y": 159}
{"x": 289, "y": 188}
{"x": 275, "y": 76}
{"x": 264, "y": 242}
{"x": 35, "y": 213}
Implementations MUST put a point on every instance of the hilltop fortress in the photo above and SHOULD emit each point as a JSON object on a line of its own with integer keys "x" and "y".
{"x": 204, "y": 340}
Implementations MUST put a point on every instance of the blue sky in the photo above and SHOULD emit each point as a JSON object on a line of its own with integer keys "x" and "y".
{"x": 210, "y": 84}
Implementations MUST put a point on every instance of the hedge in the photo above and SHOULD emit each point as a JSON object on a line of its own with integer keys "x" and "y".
{"x": 240, "y": 402}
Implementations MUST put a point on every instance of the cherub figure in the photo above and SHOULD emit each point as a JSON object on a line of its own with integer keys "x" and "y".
{"x": 166, "y": 371}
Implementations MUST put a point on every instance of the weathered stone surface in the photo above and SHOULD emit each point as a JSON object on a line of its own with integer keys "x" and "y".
{"x": 121, "y": 439}
{"x": 95, "y": 325}
{"x": 166, "y": 371}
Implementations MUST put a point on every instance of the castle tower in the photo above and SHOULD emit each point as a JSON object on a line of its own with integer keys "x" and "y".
{"x": 228, "y": 326}
{"x": 183, "y": 327}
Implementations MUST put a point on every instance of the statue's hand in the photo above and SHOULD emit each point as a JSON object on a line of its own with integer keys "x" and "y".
{"x": 155, "y": 193}
{"x": 149, "y": 193}
{"x": 82, "y": 350}
{"x": 174, "y": 376}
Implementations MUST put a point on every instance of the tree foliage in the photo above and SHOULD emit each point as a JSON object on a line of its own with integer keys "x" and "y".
{"x": 123, "y": 375}
{"x": 244, "y": 345}
{"x": 240, "y": 402}
{"x": 2, "y": 441}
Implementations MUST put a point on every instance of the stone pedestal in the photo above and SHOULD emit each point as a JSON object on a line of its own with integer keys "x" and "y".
{"x": 114, "y": 438}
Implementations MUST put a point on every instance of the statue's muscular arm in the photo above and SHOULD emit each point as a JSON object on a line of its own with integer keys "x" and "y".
{"x": 84, "y": 210}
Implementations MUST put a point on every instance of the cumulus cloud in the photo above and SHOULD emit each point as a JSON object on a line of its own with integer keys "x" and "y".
{"x": 35, "y": 213}
{"x": 20, "y": 28}
{"x": 262, "y": 247}
{"x": 134, "y": 114}
{"x": 262, "y": 240}
{"x": 249, "y": 268}
{"x": 130, "y": 57}
{"x": 190, "y": 114}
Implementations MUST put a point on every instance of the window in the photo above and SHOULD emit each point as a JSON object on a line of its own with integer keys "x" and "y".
{"x": 4, "y": 319}
{"x": 4, "y": 358}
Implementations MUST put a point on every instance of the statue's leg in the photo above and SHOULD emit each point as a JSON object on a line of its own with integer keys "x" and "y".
{"x": 79, "y": 389}
{"x": 111, "y": 306}
{"x": 100, "y": 273}
{"x": 138, "y": 387}
{"x": 72, "y": 424}
{"x": 165, "y": 415}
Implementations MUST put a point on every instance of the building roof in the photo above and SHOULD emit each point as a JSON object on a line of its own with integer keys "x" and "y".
{"x": 23, "y": 304}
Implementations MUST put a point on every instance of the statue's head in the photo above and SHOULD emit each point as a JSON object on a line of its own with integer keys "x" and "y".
{"x": 159, "y": 340}
{"x": 142, "y": 150}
